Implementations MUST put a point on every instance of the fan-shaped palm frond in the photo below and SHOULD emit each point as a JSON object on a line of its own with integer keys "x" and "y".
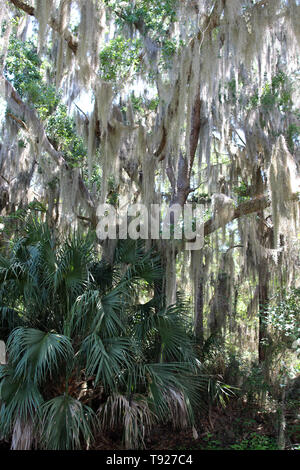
{"x": 10, "y": 316}
{"x": 140, "y": 264}
{"x": 72, "y": 265}
{"x": 129, "y": 251}
{"x": 36, "y": 231}
{"x": 171, "y": 325}
{"x": 102, "y": 274}
{"x": 160, "y": 378}
{"x": 218, "y": 391}
{"x": 83, "y": 313}
{"x": 178, "y": 408}
{"x": 93, "y": 312}
{"x": 34, "y": 354}
{"x": 19, "y": 399}
{"x": 106, "y": 359}
{"x": 113, "y": 306}
{"x": 66, "y": 424}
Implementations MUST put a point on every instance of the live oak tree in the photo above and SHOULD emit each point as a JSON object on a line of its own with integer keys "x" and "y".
{"x": 191, "y": 101}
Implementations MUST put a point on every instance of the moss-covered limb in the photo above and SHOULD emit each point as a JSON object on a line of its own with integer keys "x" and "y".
{"x": 256, "y": 204}
{"x": 37, "y": 132}
{"x": 18, "y": 120}
{"x": 53, "y": 23}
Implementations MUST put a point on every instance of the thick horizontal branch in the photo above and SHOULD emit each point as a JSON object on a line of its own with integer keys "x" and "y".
{"x": 55, "y": 25}
{"x": 257, "y": 204}
{"x": 23, "y": 6}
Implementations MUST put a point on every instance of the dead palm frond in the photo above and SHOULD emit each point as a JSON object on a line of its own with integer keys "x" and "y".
{"x": 132, "y": 414}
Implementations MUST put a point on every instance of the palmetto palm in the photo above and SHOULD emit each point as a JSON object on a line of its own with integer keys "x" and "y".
{"x": 83, "y": 352}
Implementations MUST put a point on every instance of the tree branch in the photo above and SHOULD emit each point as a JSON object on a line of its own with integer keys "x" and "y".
{"x": 19, "y": 121}
{"x": 23, "y": 6}
{"x": 55, "y": 25}
{"x": 257, "y": 204}
{"x": 37, "y": 127}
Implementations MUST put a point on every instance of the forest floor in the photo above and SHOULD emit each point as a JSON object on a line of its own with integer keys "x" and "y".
{"x": 236, "y": 427}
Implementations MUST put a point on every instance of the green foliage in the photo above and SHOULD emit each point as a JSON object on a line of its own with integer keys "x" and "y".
{"x": 119, "y": 57}
{"x": 36, "y": 353}
{"x": 93, "y": 180}
{"x": 113, "y": 194}
{"x": 255, "y": 386}
{"x": 21, "y": 400}
{"x": 142, "y": 105}
{"x": 256, "y": 442}
{"x": 22, "y": 64}
{"x": 150, "y": 18}
{"x": 169, "y": 48}
{"x": 156, "y": 15}
{"x": 61, "y": 130}
{"x": 66, "y": 420}
{"x": 210, "y": 443}
{"x": 23, "y": 69}
{"x": 72, "y": 319}
{"x": 292, "y": 136}
{"x": 242, "y": 191}
{"x": 232, "y": 89}
{"x": 276, "y": 93}
{"x": 283, "y": 315}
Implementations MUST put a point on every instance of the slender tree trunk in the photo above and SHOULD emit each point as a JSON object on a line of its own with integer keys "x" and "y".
{"x": 282, "y": 417}
{"x": 199, "y": 303}
{"x": 263, "y": 279}
{"x": 265, "y": 237}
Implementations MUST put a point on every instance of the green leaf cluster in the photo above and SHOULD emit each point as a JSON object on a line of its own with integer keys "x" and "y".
{"x": 118, "y": 57}
{"x": 23, "y": 69}
{"x": 156, "y": 15}
{"x": 62, "y": 132}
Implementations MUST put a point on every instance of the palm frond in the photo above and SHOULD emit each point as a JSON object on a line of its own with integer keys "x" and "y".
{"x": 107, "y": 359}
{"x": 179, "y": 410}
{"x": 19, "y": 399}
{"x": 23, "y": 434}
{"x": 129, "y": 251}
{"x": 66, "y": 424}
{"x": 102, "y": 274}
{"x": 132, "y": 414}
{"x": 34, "y": 353}
{"x": 113, "y": 303}
{"x": 93, "y": 312}
{"x": 141, "y": 356}
{"x": 178, "y": 376}
{"x": 10, "y": 316}
{"x": 72, "y": 265}
{"x": 140, "y": 264}
{"x": 83, "y": 312}
{"x": 171, "y": 325}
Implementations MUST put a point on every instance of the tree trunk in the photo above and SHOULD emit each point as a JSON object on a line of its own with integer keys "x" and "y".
{"x": 263, "y": 279}
{"x": 199, "y": 303}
